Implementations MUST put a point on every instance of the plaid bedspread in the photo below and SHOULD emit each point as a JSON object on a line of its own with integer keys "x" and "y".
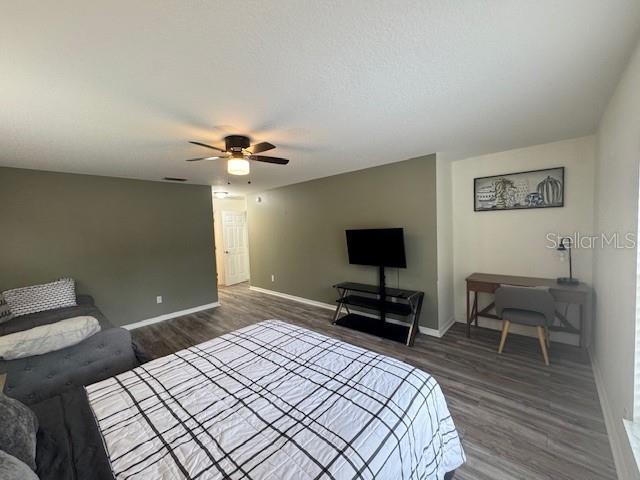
{"x": 276, "y": 401}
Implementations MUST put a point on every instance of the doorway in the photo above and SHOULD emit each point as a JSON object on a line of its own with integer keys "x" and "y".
{"x": 231, "y": 240}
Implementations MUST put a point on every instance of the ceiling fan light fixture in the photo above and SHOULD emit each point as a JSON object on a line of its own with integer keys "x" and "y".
{"x": 238, "y": 166}
{"x": 220, "y": 195}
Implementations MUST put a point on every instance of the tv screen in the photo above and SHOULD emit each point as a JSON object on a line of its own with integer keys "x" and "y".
{"x": 380, "y": 247}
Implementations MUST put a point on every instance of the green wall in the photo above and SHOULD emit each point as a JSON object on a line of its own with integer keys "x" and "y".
{"x": 297, "y": 232}
{"x": 124, "y": 241}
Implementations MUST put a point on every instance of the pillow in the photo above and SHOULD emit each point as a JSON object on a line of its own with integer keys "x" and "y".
{"x": 37, "y": 298}
{"x": 18, "y": 428}
{"x": 5, "y": 311}
{"x": 47, "y": 338}
{"x": 13, "y": 469}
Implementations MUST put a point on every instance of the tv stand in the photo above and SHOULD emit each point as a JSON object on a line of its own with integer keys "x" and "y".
{"x": 393, "y": 301}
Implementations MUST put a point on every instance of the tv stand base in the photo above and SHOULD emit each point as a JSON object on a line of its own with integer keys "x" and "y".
{"x": 373, "y": 326}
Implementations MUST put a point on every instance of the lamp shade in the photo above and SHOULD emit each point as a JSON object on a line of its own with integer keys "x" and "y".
{"x": 238, "y": 166}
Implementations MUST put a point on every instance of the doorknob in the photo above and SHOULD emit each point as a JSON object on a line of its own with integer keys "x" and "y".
{"x": 226, "y": 251}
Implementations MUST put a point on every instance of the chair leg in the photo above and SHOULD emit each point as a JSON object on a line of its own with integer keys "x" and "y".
{"x": 548, "y": 336}
{"x": 543, "y": 345}
{"x": 505, "y": 332}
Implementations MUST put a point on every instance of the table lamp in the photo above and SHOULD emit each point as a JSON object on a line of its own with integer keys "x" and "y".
{"x": 563, "y": 248}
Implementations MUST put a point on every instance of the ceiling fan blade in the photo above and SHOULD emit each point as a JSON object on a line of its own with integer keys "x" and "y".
{"x": 260, "y": 147}
{"x": 208, "y": 146}
{"x": 204, "y": 158}
{"x": 264, "y": 158}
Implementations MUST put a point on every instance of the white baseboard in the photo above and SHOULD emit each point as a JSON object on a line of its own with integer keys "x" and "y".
{"x": 427, "y": 331}
{"x": 167, "y": 316}
{"x": 610, "y": 422}
{"x": 445, "y": 328}
{"x": 293, "y": 297}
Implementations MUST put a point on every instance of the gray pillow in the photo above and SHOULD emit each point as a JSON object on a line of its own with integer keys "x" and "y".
{"x": 18, "y": 428}
{"x": 5, "y": 311}
{"x": 13, "y": 469}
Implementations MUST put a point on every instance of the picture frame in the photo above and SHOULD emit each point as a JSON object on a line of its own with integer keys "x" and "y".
{"x": 531, "y": 189}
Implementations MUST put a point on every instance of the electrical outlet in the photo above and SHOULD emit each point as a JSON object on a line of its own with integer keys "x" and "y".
{"x": 159, "y": 299}
{"x": 273, "y": 278}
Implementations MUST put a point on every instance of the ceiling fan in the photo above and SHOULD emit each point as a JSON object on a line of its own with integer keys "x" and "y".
{"x": 238, "y": 151}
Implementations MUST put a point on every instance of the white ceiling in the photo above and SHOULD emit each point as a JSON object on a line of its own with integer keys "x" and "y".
{"x": 118, "y": 87}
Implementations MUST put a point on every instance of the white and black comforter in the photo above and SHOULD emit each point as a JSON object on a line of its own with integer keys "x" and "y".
{"x": 276, "y": 401}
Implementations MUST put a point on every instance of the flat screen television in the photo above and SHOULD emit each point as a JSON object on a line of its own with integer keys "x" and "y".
{"x": 380, "y": 247}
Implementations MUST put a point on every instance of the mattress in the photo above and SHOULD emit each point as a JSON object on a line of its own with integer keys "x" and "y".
{"x": 275, "y": 401}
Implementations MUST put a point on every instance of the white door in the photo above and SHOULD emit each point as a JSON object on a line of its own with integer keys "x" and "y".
{"x": 236, "y": 251}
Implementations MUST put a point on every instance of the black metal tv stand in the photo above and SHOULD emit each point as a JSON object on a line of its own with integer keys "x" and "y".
{"x": 392, "y": 301}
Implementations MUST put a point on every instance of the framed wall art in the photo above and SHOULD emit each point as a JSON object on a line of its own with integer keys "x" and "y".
{"x": 522, "y": 190}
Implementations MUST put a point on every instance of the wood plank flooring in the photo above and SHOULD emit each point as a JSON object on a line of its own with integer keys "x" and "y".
{"x": 517, "y": 418}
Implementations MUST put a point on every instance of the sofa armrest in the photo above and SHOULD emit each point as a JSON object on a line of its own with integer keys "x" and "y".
{"x": 84, "y": 299}
{"x": 101, "y": 356}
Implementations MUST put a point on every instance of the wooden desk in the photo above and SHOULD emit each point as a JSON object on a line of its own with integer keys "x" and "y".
{"x": 580, "y": 295}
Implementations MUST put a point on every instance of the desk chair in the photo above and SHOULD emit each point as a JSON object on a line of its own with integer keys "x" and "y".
{"x": 533, "y": 307}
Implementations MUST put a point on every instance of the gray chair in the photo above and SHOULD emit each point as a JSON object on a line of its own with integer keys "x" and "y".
{"x": 533, "y": 307}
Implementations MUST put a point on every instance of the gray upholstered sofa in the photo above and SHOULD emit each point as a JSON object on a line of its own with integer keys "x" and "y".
{"x": 100, "y": 356}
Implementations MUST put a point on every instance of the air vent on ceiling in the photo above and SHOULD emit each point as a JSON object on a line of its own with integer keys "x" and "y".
{"x": 175, "y": 179}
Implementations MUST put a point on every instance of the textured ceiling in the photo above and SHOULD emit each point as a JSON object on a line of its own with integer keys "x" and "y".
{"x": 118, "y": 87}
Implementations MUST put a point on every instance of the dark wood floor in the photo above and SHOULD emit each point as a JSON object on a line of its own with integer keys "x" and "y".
{"x": 517, "y": 418}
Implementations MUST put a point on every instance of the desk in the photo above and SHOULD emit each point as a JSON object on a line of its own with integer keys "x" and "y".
{"x": 580, "y": 295}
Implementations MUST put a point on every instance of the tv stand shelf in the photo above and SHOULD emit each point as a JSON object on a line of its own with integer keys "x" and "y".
{"x": 393, "y": 308}
{"x": 406, "y": 303}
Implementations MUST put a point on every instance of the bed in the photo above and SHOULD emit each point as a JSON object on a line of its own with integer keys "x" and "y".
{"x": 275, "y": 401}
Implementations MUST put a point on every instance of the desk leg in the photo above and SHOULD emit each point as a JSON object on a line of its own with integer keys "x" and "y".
{"x": 475, "y": 307}
{"x": 581, "y": 326}
{"x": 468, "y": 316}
